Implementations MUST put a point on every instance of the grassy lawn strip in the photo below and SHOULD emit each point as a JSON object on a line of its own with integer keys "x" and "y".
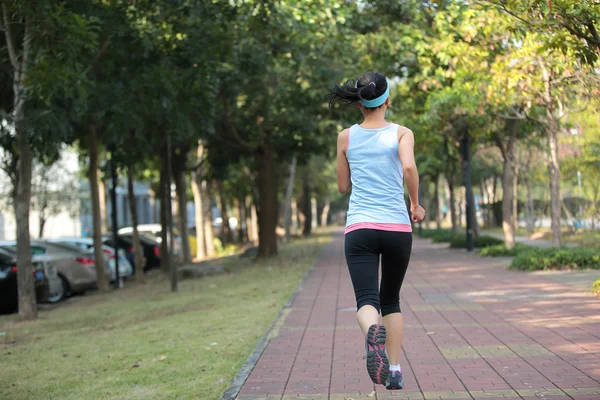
{"x": 596, "y": 287}
{"x": 144, "y": 342}
{"x": 583, "y": 239}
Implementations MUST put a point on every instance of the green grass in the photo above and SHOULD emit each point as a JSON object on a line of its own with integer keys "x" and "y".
{"x": 583, "y": 239}
{"x": 144, "y": 342}
{"x": 519, "y": 232}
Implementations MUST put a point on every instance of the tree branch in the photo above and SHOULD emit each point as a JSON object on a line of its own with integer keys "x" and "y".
{"x": 97, "y": 58}
{"x": 500, "y": 145}
{"x": 244, "y": 144}
{"x": 10, "y": 44}
{"x": 594, "y": 33}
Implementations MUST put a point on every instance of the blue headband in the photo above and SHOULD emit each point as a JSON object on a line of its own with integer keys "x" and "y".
{"x": 376, "y": 102}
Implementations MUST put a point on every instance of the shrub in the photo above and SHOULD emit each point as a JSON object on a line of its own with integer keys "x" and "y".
{"x": 564, "y": 258}
{"x": 500, "y": 250}
{"x": 431, "y": 233}
{"x": 596, "y": 287}
{"x": 459, "y": 241}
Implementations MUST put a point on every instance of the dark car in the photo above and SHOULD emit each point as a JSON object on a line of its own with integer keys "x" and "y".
{"x": 76, "y": 269}
{"x": 150, "y": 248}
{"x": 45, "y": 277}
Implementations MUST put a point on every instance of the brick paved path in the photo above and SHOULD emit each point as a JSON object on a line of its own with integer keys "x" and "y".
{"x": 474, "y": 330}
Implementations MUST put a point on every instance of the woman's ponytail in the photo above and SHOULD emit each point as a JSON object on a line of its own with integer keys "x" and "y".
{"x": 345, "y": 94}
{"x": 367, "y": 87}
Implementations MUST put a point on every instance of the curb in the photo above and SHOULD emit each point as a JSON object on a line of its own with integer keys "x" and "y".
{"x": 246, "y": 369}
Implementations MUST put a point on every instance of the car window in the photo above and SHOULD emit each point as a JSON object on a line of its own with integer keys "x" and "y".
{"x": 38, "y": 251}
{"x": 56, "y": 248}
{"x": 78, "y": 245}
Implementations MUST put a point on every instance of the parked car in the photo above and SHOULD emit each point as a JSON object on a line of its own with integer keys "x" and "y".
{"x": 153, "y": 231}
{"x": 47, "y": 281}
{"x": 87, "y": 244}
{"x": 76, "y": 268}
{"x": 150, "y": 248}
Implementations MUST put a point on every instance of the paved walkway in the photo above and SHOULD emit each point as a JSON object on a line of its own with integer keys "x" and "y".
{"x": 474, "y": 330}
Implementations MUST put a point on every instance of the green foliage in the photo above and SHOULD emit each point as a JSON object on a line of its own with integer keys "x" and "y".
{"x": 460, "y": 241}
{"x": 500, "y": 250}
{"x": 596, "y": 287}
{"x": 563, "y": 258}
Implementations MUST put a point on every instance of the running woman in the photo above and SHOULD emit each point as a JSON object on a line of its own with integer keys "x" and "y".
{"x": 373, "y": 159}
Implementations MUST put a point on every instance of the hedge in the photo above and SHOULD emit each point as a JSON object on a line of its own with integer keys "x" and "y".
{"x": 457, "y": 240}
{"x": 596, "y": 287}
{"x": 500, "y": 250}
{"x": 460, "y": 241}
{"x": 563, "y": 258}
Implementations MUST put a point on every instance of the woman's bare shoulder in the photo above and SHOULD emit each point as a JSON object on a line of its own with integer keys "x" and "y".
{"x": 403, "y": 130}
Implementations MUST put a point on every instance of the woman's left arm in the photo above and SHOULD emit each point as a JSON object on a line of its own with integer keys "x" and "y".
{"x": 343, "y": 169}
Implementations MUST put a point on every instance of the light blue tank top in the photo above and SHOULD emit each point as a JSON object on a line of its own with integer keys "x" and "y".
{"x": 377, "y": 177}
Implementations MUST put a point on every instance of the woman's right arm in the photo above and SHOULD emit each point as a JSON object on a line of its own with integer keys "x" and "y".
{"x": 406, "y": 152}
{"x": 343, "y": 169}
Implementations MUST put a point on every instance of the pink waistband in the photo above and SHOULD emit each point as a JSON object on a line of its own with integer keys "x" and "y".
{"x": 379, "y": 227}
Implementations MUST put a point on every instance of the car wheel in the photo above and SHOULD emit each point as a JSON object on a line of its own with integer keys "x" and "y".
{"x": 61, "y": 292}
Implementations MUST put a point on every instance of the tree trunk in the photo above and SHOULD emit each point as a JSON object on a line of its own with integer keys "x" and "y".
{"x": 198, "y": 215}
{"x": 103, "y": 212}
{"x": 22, "y": 189}
{"x": 267, "y": 218}
{"x": 529, "y": 211}
{"x": 287, "y": 202}
{"x": 101, "y": 278}
{"x": 515, "y": 189}
{"x": 42, "y": 224}
{"x": 138, "y": 256}
{"x": 227, "y": 235}
{"x": 247, "y": 204}
{"x": 509, "y": 154}
{"x": 253, "y": 223}
{"x": 242, "y": 227}
{"x": 438, "y": 203}
{"x": 552, "y": 129}
{"x": 209, "y": 246}
{"x": 181, "y": 188}
{"x": 426, "y": 200}
{"x": 485, "y": 199}
{"x": 452, "y": 205}
{"x": 306, "y": 206}
{"x": 313, "y": 212}
{"x": 325, "y": 212}
{"x": 165, "y": 193}
{"x": 554, "y": 173}
{"x": 294, "y": 212}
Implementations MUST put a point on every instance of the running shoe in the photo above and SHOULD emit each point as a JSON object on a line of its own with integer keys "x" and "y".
{"x": 377, "y": 361}
{"x": 394, "y": 381}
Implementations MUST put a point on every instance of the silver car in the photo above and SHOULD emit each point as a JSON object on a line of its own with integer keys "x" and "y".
{"x": 75, "y": 268}
{"x": 87, "y": 244}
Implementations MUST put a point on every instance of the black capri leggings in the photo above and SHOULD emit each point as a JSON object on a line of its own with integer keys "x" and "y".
{"x": 363, "y": 247}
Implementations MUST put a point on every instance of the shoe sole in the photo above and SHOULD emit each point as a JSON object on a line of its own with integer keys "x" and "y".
{"x": 377, "y": 361}
{"x": 394, "y": 387}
